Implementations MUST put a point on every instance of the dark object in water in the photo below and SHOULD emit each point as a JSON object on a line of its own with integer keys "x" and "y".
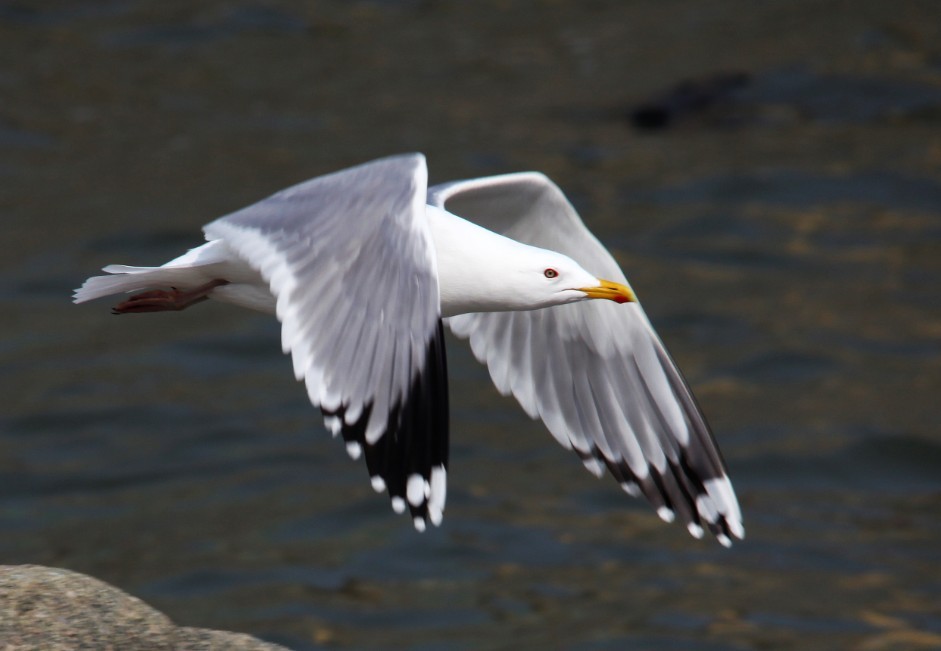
{"x": 689, "y": 97}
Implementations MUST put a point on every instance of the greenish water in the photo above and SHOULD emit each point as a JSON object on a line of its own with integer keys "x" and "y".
{"x": 784, "y": 234}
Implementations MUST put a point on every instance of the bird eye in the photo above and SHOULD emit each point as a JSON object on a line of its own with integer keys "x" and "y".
{"x": 550, "y": 273}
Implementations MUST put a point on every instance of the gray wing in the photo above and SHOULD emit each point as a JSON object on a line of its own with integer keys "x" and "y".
{"x": 350, "y": 259}
{"x": 595, "y": 372}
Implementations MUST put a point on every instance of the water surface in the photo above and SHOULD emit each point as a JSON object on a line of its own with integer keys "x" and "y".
{"x": 785, "y": 239}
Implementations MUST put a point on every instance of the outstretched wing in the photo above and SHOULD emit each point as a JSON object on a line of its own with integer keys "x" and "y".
{"x": 595, "y": 372}
{"x": 350, "y": 259}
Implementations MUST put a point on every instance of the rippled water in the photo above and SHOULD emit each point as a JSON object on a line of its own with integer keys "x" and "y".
{"x": 784, "y": 234}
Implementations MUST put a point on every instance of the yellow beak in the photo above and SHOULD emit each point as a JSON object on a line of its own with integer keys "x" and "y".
{"x": 612, "y": 291}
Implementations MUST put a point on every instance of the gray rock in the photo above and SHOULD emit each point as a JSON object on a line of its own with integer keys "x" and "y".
{"x": 51, "y": 609}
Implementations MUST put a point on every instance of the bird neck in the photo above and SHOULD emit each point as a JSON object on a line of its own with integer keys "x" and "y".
{"x": 478, "y": 269}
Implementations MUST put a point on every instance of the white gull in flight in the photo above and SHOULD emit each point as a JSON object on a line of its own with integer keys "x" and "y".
{"x": 365, "y": 265}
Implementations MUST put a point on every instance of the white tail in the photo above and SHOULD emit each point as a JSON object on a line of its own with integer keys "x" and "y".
{"x": 131, "y": 279}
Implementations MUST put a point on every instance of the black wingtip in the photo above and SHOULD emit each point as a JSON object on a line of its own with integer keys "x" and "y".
{"x": 409, "y": 460}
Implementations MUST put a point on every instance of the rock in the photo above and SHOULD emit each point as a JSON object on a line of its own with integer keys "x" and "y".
{"x": 202, "y": 639}
{"x": 51, "y": 609}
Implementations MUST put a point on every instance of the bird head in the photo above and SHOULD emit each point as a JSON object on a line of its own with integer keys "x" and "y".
{"x": 562, "y": 280}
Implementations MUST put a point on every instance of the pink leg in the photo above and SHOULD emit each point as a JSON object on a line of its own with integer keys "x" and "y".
{"x": 162, "y": 300}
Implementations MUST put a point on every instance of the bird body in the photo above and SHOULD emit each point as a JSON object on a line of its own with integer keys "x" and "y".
{"x": 363, "y": 266}
{"x": 495, "y": 281}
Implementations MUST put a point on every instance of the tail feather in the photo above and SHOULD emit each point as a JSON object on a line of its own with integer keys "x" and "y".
{"x": 127, "y": 269}
{"x": 131, "y": 279}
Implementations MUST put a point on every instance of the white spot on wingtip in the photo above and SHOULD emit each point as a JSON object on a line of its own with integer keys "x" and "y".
{"x": 419, "y": 524}
{"x": 435, "y": 516}
{"x": 333, "y": 424}
{"x": 723, "y": 540}
{"x": 667, "y": 515}
{"x": 415, "y": 489}
{"x": 720, "y": 490}
{"x": 398, "y": 504}
{"x": 736, "y": 528}
{"x": 631, "y": 488}
{"x": 439, "y": 489}
{"x": 594, "y": 466}
{"x": 354, "y": 449}
{"x": 706, "y": 509}
{"x": 378, "y": 483}
{"x": 352, "y": 413}
{"x": 695, "y": 530}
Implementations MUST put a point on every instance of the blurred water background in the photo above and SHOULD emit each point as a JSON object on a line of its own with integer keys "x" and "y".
{"x": 768, "y": 174}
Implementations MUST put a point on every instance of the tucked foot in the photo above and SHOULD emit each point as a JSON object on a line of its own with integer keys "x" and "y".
{"x": 165, "y": 300}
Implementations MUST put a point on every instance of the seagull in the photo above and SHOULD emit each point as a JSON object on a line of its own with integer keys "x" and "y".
{"x": 364, "y": 267}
